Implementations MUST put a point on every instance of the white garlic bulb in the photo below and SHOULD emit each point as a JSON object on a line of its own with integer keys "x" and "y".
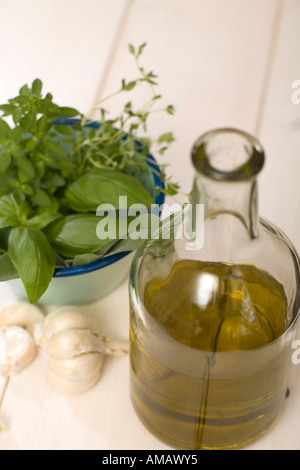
{"x": 75, "y": 350}
{"x": 17, "y": 350}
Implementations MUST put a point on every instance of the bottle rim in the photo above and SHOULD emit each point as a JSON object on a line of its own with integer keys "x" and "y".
{"x": 228, "y": 154}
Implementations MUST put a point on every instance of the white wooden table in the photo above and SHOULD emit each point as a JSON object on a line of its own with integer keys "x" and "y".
{"x": 221, "y": 63}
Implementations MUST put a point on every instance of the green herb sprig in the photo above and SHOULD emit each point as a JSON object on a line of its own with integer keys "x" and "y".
{"x": 117, "y": 144}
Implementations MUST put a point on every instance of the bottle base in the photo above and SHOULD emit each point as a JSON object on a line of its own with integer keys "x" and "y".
{"x": 177, "y": 445}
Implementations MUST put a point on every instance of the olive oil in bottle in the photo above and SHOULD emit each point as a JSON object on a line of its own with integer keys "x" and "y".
{"x": 215, "y": 306}
{"x": 183, "y": 388}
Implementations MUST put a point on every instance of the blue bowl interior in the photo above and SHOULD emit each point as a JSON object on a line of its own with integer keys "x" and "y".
{"x": 159, "y": 199}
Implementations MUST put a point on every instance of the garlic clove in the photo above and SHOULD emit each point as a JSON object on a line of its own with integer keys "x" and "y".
{"x": 20, "y": 314}
{"x": 79, "y": 368}
{"x": 63, "y": 320}
{"x": 115, "y": 347}
{"x": 70, "y": 343}
{"x": 72, "y": 387}
{"x": 17, "y": 350}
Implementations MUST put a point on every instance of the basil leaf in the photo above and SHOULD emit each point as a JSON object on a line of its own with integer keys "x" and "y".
{"x": 17, "y": 151}
{"x": 41, "y": 198}
{"x": 75, "y": 235}
{"x": 5, "y": 161}
{"x": 7, "y": 269}
{"x": 37, "y": 87}
{"x": 4, "y": 234}
{"x": 55, "y": 148}
{"x": 24, "y": 91}
{"x": 59, "y": 163}
{"x": 54, "y": 180}
{"x": 53, "y": 207}
{"x": 28, "y": 121}
{"x": 16, "y": 134}
{"x": 7, "y": 109}
{"x": 17, "y": 114}
{"x": 64, "y": 130}
{"x": 26, "y": 168}
{"x": 32, "y": 144}
{"x": 82, "y": 260}
{"x": 4, "y": 128}
{"x": 10, "y": 212}
{"x": 126, "y": 244}
{"x": 42, "y": 220}
{"x": 105, "y": 187}
{"x": 19, "y": 100}
{"x": 43, "y": 125}
{"x": 65, "y": 112}
{"x": 33, "y": 258}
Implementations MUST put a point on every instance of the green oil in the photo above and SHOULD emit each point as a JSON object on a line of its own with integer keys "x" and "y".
{"x": 207, "y": 371}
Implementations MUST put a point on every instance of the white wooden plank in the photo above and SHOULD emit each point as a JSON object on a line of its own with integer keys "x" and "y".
{"x": 280, "y": 132}
{"x": 279, "y": 185}
{"x": 210, "y": 57}
{"x": 65, "y": 43}
{"x": 285, "y": 434}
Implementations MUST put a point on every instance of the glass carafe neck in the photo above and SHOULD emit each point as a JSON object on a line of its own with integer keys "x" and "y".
{"x": 227, "y": 162}
{"x": 238, "y": 199}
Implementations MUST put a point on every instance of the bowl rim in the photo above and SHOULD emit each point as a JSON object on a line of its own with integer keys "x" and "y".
{"x": 108, "y": 260}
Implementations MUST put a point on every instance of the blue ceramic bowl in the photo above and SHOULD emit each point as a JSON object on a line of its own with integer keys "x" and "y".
{"x": 84, "y": 284}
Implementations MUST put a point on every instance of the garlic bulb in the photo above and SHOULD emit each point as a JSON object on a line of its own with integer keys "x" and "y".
{"x": 17, "y": 350}
{"x": 20, "y": 314}
{"x": 75, "y": 349}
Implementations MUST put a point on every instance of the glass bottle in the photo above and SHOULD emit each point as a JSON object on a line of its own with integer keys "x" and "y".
{"x": 213, "y": 318}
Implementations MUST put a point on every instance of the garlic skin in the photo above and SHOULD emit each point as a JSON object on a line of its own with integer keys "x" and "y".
{"x": 71, "y": 387}
{"x": 20, "y": 314}
{"x": 115, "y": 348}
{"x": 73, "y": 343}
{"x": 80, "y": 368}
{"x": 17, "y": 350}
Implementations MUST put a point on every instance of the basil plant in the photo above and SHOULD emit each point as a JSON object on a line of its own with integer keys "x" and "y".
{"x": 56, "y": 170}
